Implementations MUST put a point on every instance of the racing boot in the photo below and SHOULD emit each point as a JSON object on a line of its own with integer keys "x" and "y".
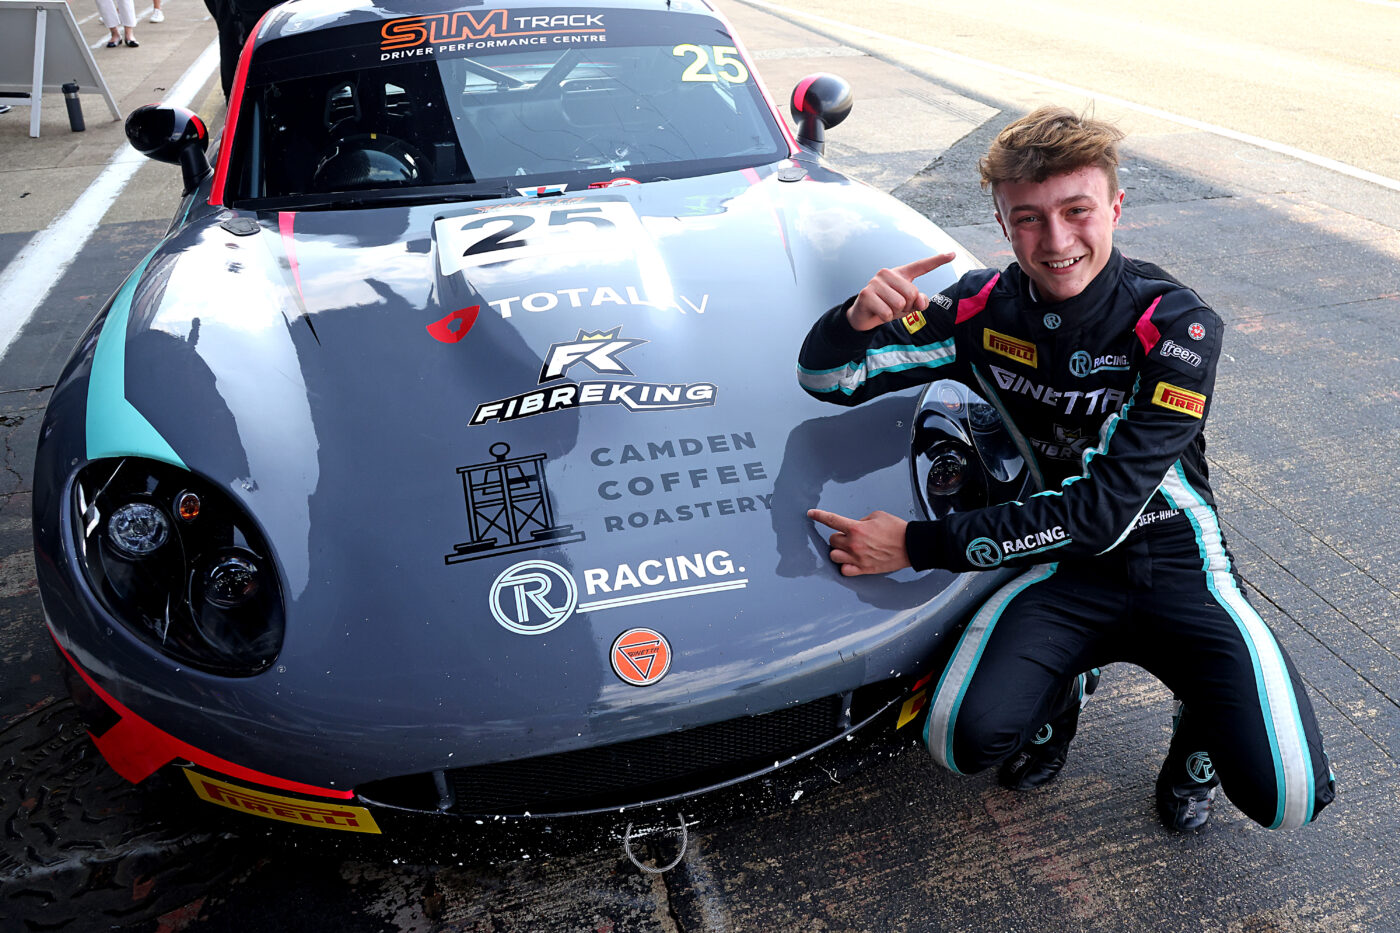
{"x": 1187, "y": 783}
{"x": 1038, "y": 762}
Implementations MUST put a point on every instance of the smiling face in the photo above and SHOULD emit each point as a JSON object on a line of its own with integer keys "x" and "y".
{"x": 1061, "y": 229}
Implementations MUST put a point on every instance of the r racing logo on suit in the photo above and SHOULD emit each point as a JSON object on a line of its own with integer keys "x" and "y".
{"x": 985, "y": 553}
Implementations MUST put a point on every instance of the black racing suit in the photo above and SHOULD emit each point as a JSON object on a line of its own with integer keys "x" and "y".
{"x": 1122, "y": 553}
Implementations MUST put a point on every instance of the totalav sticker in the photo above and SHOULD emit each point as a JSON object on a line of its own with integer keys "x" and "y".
{"x": 599, "y": 352}
{"x": 1179, "y": 399}
{"x": 1009, "y": 347}
{"x": 285, "y": 809}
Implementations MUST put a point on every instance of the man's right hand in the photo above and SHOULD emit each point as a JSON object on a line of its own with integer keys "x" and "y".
{"x": 892, "y": 294}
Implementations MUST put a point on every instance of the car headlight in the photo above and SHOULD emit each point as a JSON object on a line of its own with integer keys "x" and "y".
{"x": 963, "y": 456}
{"x": 179, "y": 563}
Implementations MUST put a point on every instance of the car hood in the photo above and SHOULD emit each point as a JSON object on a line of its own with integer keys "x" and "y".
{"x": 484, "y": 440}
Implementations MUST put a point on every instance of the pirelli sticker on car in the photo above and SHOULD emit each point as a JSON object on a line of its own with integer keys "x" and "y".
{"x": 914, "y": 321}
{"x": 1009, "y": 347}
{"x": 1179, "y": 399}
{"x": 286, "y": 809}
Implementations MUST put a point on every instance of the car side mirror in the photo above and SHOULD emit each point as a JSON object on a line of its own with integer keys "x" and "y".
{"x": 174, "y": 135}
{"x": 819, "y": 102}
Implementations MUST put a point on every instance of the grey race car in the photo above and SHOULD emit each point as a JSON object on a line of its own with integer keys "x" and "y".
{"x": 447, "y": 455}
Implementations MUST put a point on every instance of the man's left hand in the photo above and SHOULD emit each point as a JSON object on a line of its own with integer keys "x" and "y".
{"x": 874, "y": 544}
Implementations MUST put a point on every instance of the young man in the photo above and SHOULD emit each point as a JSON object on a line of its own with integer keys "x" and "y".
{"x": 1104, "y": 367}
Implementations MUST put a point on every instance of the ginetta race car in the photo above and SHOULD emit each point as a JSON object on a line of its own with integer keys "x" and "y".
{"x": 448, "y": 455}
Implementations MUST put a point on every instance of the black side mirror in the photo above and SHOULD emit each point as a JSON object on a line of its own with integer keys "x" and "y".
{"x": 819, "y": 102}
{"x": 174, "y": 135}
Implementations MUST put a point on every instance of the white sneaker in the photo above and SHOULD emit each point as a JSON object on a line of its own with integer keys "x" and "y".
{"x": 157, "y": 16}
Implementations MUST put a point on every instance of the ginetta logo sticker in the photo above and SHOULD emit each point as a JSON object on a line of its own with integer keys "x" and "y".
{"x": 1010, "y": 347}
{"x": 1179, "y": 399}
{"x": 914, "y": 321}
{"x": 641, "y": 656}
{"x": 599, "y": 351}
{"x": 286, "y": 809}
{"x": 534, "y": 597}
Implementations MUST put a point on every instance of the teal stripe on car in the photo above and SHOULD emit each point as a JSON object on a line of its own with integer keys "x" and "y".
{"x": 114, "y": 427}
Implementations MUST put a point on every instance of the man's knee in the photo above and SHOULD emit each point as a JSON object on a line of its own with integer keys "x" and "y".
{"x": 968, "y": 745}
{"x": 1257, "y": 798}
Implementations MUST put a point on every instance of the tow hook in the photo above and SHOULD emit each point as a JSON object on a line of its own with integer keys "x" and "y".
{"x": 628, "y": 836}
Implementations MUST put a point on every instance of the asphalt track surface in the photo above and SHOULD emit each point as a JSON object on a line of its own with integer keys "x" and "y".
{"x": 1300, "y": 260}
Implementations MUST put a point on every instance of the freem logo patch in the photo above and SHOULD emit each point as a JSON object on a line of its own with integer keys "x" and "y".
{"x": 1009, "y": 347}
{"x": 1179, "y": 399}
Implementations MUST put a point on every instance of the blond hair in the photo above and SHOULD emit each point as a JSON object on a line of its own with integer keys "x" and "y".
{"x": 1051, "y": 141}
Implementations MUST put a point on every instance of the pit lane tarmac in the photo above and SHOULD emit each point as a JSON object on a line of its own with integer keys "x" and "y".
{"x": 1302, "y": 266}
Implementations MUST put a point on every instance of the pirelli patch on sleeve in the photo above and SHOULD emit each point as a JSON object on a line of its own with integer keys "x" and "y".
{"x": 1019, "y": 350}
{"x": 914, "y": 321}
{"x": 1179, "y": 399}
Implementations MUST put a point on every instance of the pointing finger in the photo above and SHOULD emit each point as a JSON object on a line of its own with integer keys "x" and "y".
{"x": 920, "y": 266}
{"x": 831, "y": 520}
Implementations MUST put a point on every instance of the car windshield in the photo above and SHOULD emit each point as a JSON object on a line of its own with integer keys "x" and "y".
{"x": 641, "y": 97}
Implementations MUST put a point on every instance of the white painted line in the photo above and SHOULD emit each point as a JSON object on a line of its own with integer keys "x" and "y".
{"x": 848, "y": 29}
{"x": 30, "y": 276}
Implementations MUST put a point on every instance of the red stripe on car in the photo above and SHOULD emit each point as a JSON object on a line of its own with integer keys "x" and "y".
{"x": 240, "y": 77}
{"x": 286, "y": 224}
{"x": 136, "y": 749}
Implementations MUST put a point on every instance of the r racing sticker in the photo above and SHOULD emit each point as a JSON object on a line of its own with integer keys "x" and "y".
{"x": 535, "y": 597}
